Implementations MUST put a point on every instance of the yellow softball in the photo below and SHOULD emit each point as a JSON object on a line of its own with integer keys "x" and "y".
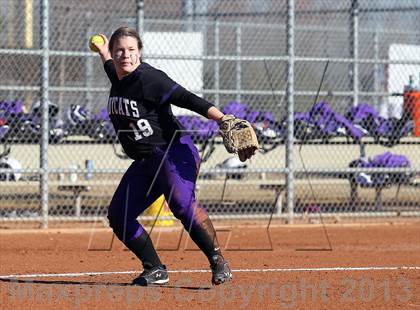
{"x": 96, "y": 38}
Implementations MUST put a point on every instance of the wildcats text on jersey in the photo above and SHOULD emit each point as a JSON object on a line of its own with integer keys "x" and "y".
{"x": 123, "y": 106}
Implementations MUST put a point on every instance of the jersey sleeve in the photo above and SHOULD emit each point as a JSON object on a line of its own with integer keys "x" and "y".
{"x": 161, "y": 89}
{"x": 110, "y": 71}
{"x": 187, "y": 100}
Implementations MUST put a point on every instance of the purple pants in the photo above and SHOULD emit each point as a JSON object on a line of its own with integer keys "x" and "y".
{"x": 171, "y": 171}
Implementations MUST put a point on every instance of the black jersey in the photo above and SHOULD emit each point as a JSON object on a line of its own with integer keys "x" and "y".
{"x": 140, "y": 111}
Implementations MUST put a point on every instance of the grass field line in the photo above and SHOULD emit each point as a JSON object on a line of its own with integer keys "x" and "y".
{"x": 250, "y": 270}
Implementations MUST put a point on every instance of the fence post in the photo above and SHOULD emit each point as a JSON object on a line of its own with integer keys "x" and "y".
{"x": 44, "y": 107}
{"x": 354, "y": 48}
{"x": 140, "y": 16}
{"x": 188, "y": 12}
{"x": 88, "y": 62}
{"x": 376, "y": 70}
{"x": 238, "y": 62}
{"x": 290, "y": 108}
{"x": 216, "y": 63}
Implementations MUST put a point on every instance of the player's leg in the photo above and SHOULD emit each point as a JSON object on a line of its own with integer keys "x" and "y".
{"x": 130, "y": 199}
{"x": 177, "y": 179}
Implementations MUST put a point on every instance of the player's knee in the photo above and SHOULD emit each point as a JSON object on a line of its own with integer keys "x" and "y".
{"x": 187, "y": 214}
{"x": 118, "y": 227}
{"x": 115, "y": 220}
{"x": 122, "y": 227}
{"x": 111, "y": 217}
{"x": 182, "y": 201}
{"x": 180, "y": 213}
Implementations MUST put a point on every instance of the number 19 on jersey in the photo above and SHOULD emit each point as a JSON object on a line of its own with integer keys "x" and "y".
{"x": 141, "y": 129}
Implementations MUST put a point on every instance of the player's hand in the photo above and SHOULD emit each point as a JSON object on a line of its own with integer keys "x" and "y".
{"x": 103, "y": 49}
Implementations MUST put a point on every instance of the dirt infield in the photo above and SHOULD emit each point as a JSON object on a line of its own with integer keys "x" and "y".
{"x": 368, "y": 266}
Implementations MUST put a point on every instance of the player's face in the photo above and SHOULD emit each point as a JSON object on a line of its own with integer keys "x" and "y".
{"x": 126, "y": 55}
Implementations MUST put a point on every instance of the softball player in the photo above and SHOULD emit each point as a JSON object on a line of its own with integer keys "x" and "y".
{"x": 165, "y": 159}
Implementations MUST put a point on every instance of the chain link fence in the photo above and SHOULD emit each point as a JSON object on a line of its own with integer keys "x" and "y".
{"x": 332, "y": 88}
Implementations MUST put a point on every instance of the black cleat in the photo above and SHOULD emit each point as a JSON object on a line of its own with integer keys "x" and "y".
{"x": 220, "y": 270}
{"x": 154, "y": 276}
